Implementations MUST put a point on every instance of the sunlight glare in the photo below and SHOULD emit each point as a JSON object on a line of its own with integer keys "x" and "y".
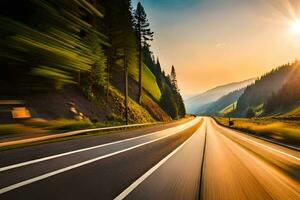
{"x": 295, "y": 27}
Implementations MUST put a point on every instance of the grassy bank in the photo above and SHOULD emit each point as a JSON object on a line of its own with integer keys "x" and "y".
{"x": 39, "y": 127}
{"x": 283, "y": 131}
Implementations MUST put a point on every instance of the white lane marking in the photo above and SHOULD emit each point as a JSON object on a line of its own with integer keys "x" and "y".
{"x": 136, "y": 183}
{"x": 90, "y": 148}
{"x": 47, "y": 175}
{"x": 263, "y": 145}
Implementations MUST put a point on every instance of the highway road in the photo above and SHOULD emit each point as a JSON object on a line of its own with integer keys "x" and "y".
{"x": 191, "y": 159}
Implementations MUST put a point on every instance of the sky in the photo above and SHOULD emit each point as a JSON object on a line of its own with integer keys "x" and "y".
{"x": 213, "y": 42}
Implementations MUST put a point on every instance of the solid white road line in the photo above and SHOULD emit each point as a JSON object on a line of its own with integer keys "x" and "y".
{"x": 265, "y": 146}
{"x": 136, "y": 183}
{"x": 89, "y": 148}
{"x": 47, "y": 175}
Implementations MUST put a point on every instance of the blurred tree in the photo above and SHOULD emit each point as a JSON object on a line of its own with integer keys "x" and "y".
{"x": 51, "y": 41}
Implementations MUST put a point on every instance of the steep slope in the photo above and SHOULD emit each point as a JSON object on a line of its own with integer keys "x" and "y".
{"x": 228, "y": 109}
{"x": 199, "y": 103}
{"x": 219, "y": 106}
{"x": 148, "y": 79}
{"x": 70, "y": 58}
{"x": 259, "y": 92}
{"x": 287, "y": 99}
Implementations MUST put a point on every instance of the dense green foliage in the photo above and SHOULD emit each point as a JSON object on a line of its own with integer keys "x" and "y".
{"x": 171, "y": 99}
{"x": 144, "y": 35}
{"x": 33, "y": 51}
{"x": 149, "y": 81}
{"x": 288, "y": 95}
{"x": 46, "y": 44}
{"x": 259, "y": 92}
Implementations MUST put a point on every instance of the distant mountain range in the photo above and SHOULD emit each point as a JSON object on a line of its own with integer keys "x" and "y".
{"x": 275, "y": 93}
{"x": 199, "y": 104}
{"x": 225, "y": 104}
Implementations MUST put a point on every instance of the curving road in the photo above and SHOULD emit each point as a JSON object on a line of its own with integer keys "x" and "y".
{"x": 192, "y": 159}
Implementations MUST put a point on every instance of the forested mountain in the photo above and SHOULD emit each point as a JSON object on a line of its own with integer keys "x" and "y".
{"x": 287, "y": 96}
{"x": 257, "y": 94}
{"x": 200, "y": 103}
{"x": 98, "y": 48}
{"x": 216, "y": 107}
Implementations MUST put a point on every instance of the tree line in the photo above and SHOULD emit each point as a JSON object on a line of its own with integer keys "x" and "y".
{"x": 258, "y": 93}
{"x": 288, "y": 95}
{"x": 46, "y": 44}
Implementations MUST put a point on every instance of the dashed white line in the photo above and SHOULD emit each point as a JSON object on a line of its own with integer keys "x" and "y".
{"x": 136, "y": 183}
{"x": 87, "y": 149}
{"x": 47, "y": 175}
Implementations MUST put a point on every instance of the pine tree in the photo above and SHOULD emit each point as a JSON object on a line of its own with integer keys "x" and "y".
{"x": 144, "y": 35}
{"x": 119, "y": 22}
{"x": 158, "y": 74}
{"x": 173, "y": 78}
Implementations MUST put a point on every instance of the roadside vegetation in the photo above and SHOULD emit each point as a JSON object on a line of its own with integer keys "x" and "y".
{"x": 285, "y": 131}
{"x": 40, "y": 126}
{"x": 81, "y": 64}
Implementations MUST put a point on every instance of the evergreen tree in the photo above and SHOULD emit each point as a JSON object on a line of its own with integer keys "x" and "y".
{"x": 49, "y": 43}
{"x": 259, "y": 92}
{"x": 174, "y": 79}
{"x": 168, "y": 102}
{"x": 170, "y": 93}
{"x": 144, "y": 35}
{"x": 148, "y": 58}
{"x": 119, "y": 23}
{"x": 158, "y": 74}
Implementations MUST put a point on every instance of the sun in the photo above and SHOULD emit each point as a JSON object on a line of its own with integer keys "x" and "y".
{"x": 295, "y": 27}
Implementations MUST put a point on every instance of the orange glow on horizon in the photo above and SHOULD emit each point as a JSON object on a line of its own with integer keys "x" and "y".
{"x": 228, "y": 44}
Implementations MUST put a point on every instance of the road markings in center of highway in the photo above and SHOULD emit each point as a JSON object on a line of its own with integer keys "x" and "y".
{"x": 50, "y": 174}
{"x": 136, "y": 183}
{"x": 89, "y": 148}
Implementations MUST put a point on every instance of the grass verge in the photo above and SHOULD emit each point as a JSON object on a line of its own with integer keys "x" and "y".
{"x": 285, "y": 132}
{"x": 79, "y": 136}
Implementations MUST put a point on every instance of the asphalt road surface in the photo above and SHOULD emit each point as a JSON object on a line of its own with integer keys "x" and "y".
{"x": 191, "y": 159}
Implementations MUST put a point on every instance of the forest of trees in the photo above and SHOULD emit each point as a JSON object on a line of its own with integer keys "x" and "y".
{"x": 258, "y": 93}
{"x": 288, "y": 95}
{"x": 46, "y": 44}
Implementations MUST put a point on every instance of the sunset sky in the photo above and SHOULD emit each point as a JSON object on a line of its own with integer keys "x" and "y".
{"x": 212, "y": 42}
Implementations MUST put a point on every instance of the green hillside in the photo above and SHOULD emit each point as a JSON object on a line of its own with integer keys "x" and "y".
{"x": 288, "y": 96}
{"x": 283, "y": 131}
{"x": 76, "y": 53}
{"x": 221, "y": 104}
{"x": 149, "y": 81}
{"x": 263, "y": 88}
{"x": 228, "y": 109}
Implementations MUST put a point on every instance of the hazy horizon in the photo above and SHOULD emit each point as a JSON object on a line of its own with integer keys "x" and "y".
{"x": 191, "y": 34}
